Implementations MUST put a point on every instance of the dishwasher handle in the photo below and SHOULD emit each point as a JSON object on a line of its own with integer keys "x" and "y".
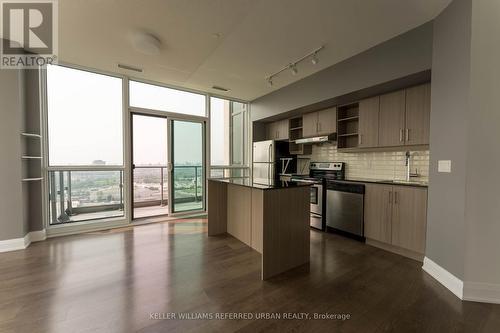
{"x": 346, "y": 187}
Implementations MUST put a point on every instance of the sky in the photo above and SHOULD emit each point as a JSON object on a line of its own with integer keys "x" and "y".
{"x": 85, "y": 120}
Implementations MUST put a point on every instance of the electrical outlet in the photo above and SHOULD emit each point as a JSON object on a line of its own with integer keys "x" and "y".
{"x": 444, "y": 166}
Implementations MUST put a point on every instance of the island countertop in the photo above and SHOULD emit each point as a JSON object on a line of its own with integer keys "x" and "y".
{"x": 249, "y": 183}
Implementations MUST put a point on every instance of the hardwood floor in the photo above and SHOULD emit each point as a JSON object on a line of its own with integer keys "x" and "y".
{"x": 112, "y": 282}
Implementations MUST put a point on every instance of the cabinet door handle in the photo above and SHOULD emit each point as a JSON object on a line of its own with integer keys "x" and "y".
{"x": 407, "y": 135}
{"x": 317, "y": 127}
{"x": 360, "y": 139}
{"x": 400, "y": 135}
{"x": 319, "y": 124}
{"x": 390, "y": 197}
{"x": 396, "y": 198}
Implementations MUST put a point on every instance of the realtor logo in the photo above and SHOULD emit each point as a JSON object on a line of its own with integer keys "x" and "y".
{"x": 29, "y": 33}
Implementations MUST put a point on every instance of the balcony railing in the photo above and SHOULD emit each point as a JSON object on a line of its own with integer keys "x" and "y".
{"x": 78, "y": 195}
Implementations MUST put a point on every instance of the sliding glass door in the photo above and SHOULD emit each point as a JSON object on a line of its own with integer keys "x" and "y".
{"x": 187, "y": 174}
{"x": 149, "y": 166}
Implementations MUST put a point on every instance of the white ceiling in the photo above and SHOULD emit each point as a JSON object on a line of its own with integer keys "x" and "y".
{"x": 257, "y": 38}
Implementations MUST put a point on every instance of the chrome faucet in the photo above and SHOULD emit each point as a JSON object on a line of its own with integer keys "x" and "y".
{"x": 408, "y": 167}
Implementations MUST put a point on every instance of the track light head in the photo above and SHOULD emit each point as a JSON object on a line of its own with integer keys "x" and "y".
{"x": 314, "y": 59}
{"x": 270, "y": 82}
{"x": 293, "y": 68}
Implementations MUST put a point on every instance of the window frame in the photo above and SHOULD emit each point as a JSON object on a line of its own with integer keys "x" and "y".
{"x": 246, "y": 140}
{"x": 127, "y": 111}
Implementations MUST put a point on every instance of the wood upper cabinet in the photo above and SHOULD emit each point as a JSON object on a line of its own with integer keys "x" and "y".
{"x": 277, "y": 130}
{"x": 418, "y": 107}
{"x": 409, "y": 218}
{"x": 378, "y": 212}
{"x": 327, "y": 121}
{"x": 322, "y": 122}
{"x": 309, "y": 124}
{"x": 368, "y": 128}
{"x": 392, "y": 119}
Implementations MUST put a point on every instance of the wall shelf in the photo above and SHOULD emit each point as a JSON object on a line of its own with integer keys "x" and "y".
{"x": 31, "y": 179}
{"x": 31, "y": 135}
{"x": 25, "y": 157}
{"x": 348, "y": 134}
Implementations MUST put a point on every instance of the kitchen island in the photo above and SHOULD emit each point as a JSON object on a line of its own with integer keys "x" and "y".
{"x": 272, "y": 219}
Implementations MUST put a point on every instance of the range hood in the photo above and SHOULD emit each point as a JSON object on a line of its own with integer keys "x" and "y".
{"x": 317, "y": 139}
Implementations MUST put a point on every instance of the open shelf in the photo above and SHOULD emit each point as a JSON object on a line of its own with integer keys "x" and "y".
{"x": 348, "y": 126}
{"x": 26, "y": 157}
{"x": 348, "y": 119}
{"x": 32, "y": 179}
{"x": 296, "y": 128}
{"x": 31, "y": 135}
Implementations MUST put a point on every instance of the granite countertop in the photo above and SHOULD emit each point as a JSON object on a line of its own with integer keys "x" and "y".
{"x": 249, "y": 183}
{"x": 388, "y": 182}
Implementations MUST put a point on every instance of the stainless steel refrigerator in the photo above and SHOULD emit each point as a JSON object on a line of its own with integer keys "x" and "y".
{"x": 266, "y": 157}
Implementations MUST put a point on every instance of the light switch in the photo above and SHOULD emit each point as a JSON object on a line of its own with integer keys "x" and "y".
{"x": 444, "y": 166}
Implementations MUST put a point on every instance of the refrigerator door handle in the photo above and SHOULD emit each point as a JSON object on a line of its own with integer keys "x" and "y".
{"x": 269, "y": 165}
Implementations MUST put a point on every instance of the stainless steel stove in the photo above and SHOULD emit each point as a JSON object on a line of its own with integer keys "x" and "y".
{"x": 319, "y": 173}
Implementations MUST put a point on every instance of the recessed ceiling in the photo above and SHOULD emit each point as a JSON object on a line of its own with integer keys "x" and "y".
{"x": 233, "y": 44}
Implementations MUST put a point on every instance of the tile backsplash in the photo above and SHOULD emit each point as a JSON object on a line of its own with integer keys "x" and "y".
{"x": 373, "y": 165}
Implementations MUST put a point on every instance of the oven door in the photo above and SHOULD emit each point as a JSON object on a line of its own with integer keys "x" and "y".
{"x": 317, "y": 199}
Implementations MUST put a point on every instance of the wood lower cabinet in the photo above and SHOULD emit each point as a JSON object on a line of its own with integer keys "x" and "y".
{"x": 392, "y": 119}
{"x": 396, "y": 216}
{"x": 368, "y": 122}
{"x": 409, "y": 218}
{"x": 378, "y": 212}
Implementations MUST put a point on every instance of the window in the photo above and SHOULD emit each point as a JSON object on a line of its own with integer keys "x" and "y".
{"x": 228, "y": 138}
{"x": 219, "y": 131}
{"x": 148, "y": 96}
{"x": 85, "y": 138}
{"x": 84, "y": 118}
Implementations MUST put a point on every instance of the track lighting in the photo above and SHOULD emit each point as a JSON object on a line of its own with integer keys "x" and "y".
{"x": 314, "y": 59}
{"x": 313, "y": 56}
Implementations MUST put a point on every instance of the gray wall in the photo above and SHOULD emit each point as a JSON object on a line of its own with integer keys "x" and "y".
{"x": 448, "y": 137}
{"x": 12, "y": 218}
{"x": 482, "y": 264}
{"x": 401, "y": 56}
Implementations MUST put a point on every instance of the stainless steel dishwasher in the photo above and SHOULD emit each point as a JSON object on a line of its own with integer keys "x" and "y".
{"x": 345, "y": 207}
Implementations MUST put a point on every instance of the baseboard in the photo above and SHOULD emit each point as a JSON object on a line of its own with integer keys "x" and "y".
{"x": 395, "y": 249}
{"x": 14, "y": 244}
{"x": 22, "y": 243}
{"x": 37, "y": 236}
{"x": 482, "y": 292}
{"x": 450, "y": 281}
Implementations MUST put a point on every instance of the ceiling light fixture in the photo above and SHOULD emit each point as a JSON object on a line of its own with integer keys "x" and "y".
{"x": 293, "y": 65}
{"x": 146, "y": 43}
